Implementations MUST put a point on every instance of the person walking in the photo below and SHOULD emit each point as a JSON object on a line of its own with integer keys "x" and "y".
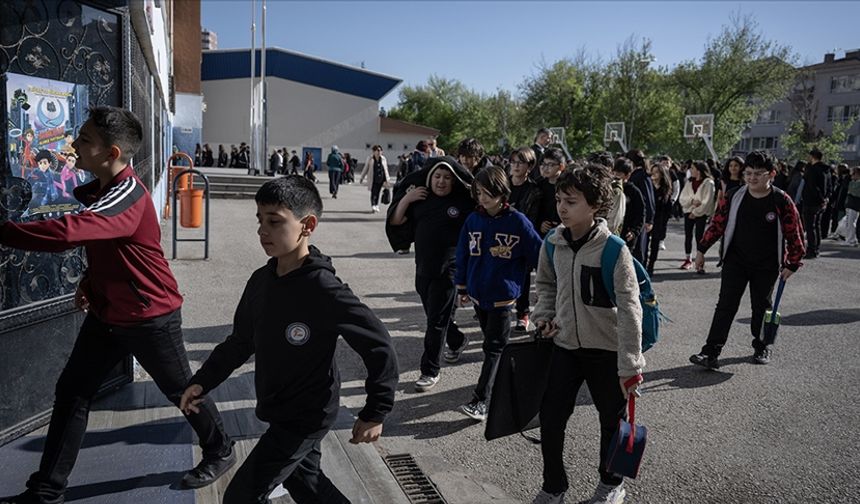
{"x": 698, "y": 200}
{"x": 662, "y": 211}
{"x": 334, "y": 164}
{"x": 816, "y": 194}
{"x": 376, "y": 172}
{"x": 222, "y": 156}
{"x": 762, "y": 240}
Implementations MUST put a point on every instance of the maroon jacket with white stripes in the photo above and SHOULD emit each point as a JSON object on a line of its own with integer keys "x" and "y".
{"x": 128, "y": 279}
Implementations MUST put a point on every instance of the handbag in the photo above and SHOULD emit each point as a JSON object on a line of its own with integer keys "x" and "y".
{"x": 628, "y": 443}
{"x": 518, "y": 388}
{"x": 386, "y": 196}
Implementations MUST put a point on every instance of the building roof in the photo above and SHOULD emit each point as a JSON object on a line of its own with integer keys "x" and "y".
{"x": 389, "y": 125}
{"x": 297, "y": 67}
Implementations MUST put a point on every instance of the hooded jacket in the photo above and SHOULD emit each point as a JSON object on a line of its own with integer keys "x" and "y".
{"x": 571, "y": 293}
{"x": 127, "y": 280}
{"x": 334, "y": 161}
{"x": 494, "y": 254}
{"x": 292, "y": 323}
{"x": 400, "y": 237}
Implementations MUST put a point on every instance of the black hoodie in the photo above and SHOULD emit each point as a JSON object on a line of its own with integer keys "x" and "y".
{"x": 401, "y": 237}
{"x": 292, "y": 323}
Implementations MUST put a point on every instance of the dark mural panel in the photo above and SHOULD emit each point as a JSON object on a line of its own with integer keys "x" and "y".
{"x": 54, "y": 55}
{"x": 57, "y": 57}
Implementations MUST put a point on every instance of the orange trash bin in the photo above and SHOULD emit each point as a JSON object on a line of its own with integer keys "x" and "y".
{"x": 191, "y": 208}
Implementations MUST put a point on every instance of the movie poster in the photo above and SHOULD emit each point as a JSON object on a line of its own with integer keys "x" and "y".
{"x": 44, "y": 118}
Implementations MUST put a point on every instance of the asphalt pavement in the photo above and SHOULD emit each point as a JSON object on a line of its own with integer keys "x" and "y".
{"x": 751, "y": 434}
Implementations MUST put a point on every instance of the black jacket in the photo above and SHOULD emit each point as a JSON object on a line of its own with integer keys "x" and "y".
{"x": 817, "y": 187}
{"x": 643, "y": 182}
{"x": 401, "y": 237}
{"x": 634, "y": 211}
{"x": 292, "y": 324}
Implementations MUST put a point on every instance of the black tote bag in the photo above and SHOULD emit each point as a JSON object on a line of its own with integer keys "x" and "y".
{"x": 518, "y": 388}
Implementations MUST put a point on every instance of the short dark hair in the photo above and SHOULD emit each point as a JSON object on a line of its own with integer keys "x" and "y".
{"x": 293, "y": 192}
{"x": 470, "y": 147}
{"x": 637, "y": 157}
{"x": 594, "y": 182}
{"x": 421, "y": 146}
{"x": 120, "y": 127}
{"x": 526, "y": 155}
{"x": 554, "y": 154}
{"x": 543, "y": 131}
{"x": 816, "y": 153}
{"x": 623, "y": 165}
{"x": 759, "y": 159}
{"x": 602, "y": 158}
{"x": 494, "y": 180}
{"x": 375, "y": 148}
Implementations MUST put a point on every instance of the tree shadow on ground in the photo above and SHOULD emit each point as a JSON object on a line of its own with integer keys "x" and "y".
{"x": 835, "y": 316}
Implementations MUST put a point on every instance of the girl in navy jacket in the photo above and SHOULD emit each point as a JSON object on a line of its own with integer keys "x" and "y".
{"x": 497, "y": 246}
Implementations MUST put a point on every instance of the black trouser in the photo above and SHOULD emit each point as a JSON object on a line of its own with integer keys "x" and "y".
{"x": 640, "y": 249}
{"x": 690, "y": 223}
{"x": 334, "y": 177}
{"x": 437, "y": 296}
{"x": 524, "y": 301}
{"x": 374, "y": 193}
{"x": 657, "y": 235}
{"x": 281, "y": 456}
{"x": 568, "y": 369}
{"x": 812, "y": 225}
{"x": 733, "y": 283}
{"x": 496, "y": 326}
{"x": 157, "y": 345}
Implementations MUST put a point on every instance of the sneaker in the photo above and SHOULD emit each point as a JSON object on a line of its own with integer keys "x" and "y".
{"x": 402, "y": 251}
{"x": 852, "y": 243}
{"x": 426, "y": 382}
{"x": 761, "y": 356}
{"x": 662, "y": 245}
{"x": 608, "y": 494}
{"x": 687, "y": 264}
{"x": 547, "y": 498}
{"x": 524, "y": 325}
{"x": 453, "y": 356}
{"x": 700, "y": 271}
{"x": 705, "y": 360}
{"x": 476, "y": 410}
{"x": 208, "y": 470}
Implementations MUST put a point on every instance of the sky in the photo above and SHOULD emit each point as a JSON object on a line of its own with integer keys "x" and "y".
{"x": 491, "y": 45}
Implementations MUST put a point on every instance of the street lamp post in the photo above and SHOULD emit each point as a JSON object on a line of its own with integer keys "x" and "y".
{"x": 643, "y": 64}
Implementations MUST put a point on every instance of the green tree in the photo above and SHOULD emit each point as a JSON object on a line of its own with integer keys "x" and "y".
{"x": 641, "y": 96}
{"x": 740, "y": 74}
{"x": 800, "y": 137}
{"x": 564, "y": 94}
{"x": 435, "y": 105}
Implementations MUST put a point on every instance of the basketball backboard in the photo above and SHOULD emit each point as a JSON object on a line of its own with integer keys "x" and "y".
{"x": 614, "y": 132}
{"x": 699, "y": 126}
{"x": 558, "y": 138}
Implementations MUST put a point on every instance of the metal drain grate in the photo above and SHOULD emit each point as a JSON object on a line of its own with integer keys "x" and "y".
{"x": 415, "y": 484}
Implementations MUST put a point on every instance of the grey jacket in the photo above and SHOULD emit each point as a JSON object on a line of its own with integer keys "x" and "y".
{"x": 571, "y": 293}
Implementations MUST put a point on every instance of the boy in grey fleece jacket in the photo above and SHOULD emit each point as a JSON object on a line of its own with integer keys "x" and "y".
{"x": 596, "y": 341}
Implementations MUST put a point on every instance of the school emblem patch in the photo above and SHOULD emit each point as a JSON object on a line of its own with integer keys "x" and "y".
{"x": 771, "y": 216}
{"x": 298, "y": 333}
{"x": 453, "y": 212}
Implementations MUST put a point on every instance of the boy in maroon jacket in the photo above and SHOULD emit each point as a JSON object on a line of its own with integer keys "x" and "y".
{"x": 131, "y": 299}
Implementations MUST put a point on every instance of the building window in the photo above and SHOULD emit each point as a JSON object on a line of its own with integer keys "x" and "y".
{"x": 390, "y": 146}
{"x": 850, "y": 144}
{"x": 765, "y": 143}
{"x": 845, "y": 84}
{"x": 769, "y": 117}
{"x": 843, "y": 113}
{"x": 405, "y": 147}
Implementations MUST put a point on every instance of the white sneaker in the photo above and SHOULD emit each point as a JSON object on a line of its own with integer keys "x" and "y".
{"x": 375, "y": 209}
{"x": 426, "y": 382}
{"x": 608, "y": 494}
{"x": 852, "y": 243}
{"x": 548, "y": 498}
{"x": 662, "y": 245}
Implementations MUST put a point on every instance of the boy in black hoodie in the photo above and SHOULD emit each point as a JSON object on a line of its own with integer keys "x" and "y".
{"x": 290, "y": 316}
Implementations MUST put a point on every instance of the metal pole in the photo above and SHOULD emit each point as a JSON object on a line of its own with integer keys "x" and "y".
{"x": 252, "y": 143}
{"x": 264, "y": 141}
